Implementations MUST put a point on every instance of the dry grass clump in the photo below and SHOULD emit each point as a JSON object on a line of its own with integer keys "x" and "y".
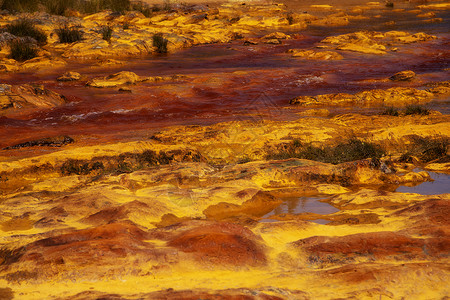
{"x": 351, "y": 150}
{"x": 22, "y": 50}
{"x": 67, "y": 34}
{"x": 60, "y": 7}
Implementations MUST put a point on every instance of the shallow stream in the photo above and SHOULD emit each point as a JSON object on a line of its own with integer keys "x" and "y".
{"x": 299, "y": 205}
{"x": 228, "y": 81}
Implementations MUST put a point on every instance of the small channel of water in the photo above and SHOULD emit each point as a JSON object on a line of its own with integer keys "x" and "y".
{"x": 440, "y": 185}
{"x": 298, "y": 205}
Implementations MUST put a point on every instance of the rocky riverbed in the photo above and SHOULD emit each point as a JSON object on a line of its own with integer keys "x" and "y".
{"x": 276, "y": 151}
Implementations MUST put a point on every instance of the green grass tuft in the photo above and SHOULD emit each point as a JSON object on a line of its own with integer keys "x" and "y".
{"x": 160, "y": 43}
{"x": 123, "y": 163}
{"x": 416, "y": 110}
{"x": 390, "y": 111}
{"x": 106, "y": 32}
{"x": 22, "y": 51}
{"x": 290, "y": 19}
{"x": 428, "y": 149}
{"x": 351, "y": 150}
{"x": 73, "y": 166}
{"x": 68, "y": 34}
{"x": 26, "y": 28}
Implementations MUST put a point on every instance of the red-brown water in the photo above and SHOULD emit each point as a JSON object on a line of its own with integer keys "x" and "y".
{"x": 225, "y": 82}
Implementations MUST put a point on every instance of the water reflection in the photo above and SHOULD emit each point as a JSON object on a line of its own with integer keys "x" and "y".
{"x": 440, "y": 185}
{"x": 298, "y": 205}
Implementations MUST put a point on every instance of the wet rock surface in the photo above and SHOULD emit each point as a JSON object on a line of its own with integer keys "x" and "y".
{"x": 114, "y": 80}
{"x": 320, "y": 55}
{"x": 69, "y": 76}
{"x": 48, "y": 142}
{"x": 369, "y": 42}
{"x": 403, "y": 76}
{"x": 127, "y": 78}
{"x": 391, "y": 97}
{"x": 28, "y": 96}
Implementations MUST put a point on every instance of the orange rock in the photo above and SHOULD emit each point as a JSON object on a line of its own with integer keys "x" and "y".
{"x": 106, "y": 250}
{"x": 429, "y": 217}
{"x": 375, "y": 244}
{"x": 318, "y": 55}
{"x": 116, "y": 79}
{"x": 229, "y": 294}
{"x": 403, "y": 76}
{"x": 260, "y": 204}
{"x": 69, "y": 76}
{"x": 123, "y": 213}
{"x": 328, "y": 99}
{"x": 372, "y": 42}
{"x": 28, "y": 96}
{"x": 222, "y": 243}
{"x": 170, "y": 219}
{"x": 397, "y": 96}
{"x": 276, "y": 35}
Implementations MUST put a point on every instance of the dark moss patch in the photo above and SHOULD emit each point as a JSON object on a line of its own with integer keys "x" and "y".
{"x": 351, "y": 150}
{"x": 46, "y": 142}
{"x": 321, "y": 261}
{"x": 106, "y": 32}
{"x": 416, "y": 110}
{"x": 390, "y": 111}
{"x": 10, "y": 256}
{"x": 409, "y": 110}
{"x": 78, "y": 167}
{"x": 428, "y": 149}
{"x": 20, "y": 276}
{"x": 126, "y": 162}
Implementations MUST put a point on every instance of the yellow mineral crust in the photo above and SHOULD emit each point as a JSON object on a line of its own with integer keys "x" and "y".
{"x": 197, "y": 228}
